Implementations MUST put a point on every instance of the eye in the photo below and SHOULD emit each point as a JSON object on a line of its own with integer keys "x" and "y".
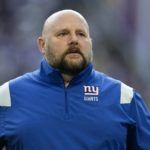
{"x": 61, "y": 34}
{"x": 81, "y": 34}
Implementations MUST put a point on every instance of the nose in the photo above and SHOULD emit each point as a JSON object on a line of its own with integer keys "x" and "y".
{"x": 73, "y": 38}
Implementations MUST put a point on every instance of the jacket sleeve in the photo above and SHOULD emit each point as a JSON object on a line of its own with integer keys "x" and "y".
{"x": 5, "y": 102}
{"x": 139, "y": 135}
{"x": 1, "y": 128}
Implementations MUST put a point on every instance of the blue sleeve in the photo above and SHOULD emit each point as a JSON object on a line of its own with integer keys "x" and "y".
{"x": 5, "y": 102}
{"x": 139, "y": 134}
{"x": 1, "y": 128}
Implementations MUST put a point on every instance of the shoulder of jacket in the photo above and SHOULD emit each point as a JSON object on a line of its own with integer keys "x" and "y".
{"x": 5, "y": 98}
{"x": 126, "y": 94}
{"x": 21, "y": 79}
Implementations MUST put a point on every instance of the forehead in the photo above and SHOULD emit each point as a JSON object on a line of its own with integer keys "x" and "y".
{"x": 66, "y": 21}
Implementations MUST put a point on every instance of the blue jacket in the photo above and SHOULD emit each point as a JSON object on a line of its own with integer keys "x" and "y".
{"x": 95, "y": 112}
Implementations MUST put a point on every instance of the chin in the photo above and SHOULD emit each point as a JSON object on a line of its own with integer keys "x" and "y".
{"x": 75, "y": 63}
{"x": 72, "y": 67}
{"x": 74, "y": 60}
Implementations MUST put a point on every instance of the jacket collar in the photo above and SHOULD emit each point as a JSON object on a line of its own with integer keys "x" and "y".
{"x": 51, "y": 74}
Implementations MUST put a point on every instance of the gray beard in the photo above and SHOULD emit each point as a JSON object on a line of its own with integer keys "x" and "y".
{"x": 66, "y": 67}
{"x": 72, "y": 69}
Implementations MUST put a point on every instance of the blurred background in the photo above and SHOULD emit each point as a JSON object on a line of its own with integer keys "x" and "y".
{"x": 119, "y": 29}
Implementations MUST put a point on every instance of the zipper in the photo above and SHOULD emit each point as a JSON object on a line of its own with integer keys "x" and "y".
{"x": 67, "y": 113}
{"x": 66, "y": 102}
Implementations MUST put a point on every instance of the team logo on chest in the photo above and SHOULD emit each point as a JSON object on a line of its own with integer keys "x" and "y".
{"x": 91, "y": 93}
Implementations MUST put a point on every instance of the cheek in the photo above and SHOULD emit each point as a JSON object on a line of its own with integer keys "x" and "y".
{"x": 87, "y": 48}
{"x": 87, "y": 44}
{"x": 56, "y": 50}
{"x": 57, "y": 46}
{"x": 87, "y": 51}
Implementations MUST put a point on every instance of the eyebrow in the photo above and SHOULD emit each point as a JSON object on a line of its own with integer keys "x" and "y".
{"x": 64, "y": 29}
{"x": 81, "y": 30}
{"x": 67, "y": 30}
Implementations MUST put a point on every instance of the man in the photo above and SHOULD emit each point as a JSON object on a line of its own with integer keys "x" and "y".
{"x": 66, "y": 104}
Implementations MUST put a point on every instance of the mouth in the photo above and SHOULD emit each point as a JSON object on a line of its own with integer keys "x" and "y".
{"x": 74, "y": 50}
{"x": 74, "y": 53}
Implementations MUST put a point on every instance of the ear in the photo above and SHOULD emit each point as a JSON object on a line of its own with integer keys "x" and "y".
{"x": 41, "y": 44}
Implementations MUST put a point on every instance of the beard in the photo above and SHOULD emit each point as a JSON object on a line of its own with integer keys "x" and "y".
{"x": 72, "y": 68}
{"x": 66, "y": 66}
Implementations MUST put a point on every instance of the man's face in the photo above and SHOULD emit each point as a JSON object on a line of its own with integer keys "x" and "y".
{"x": 68, "y": 45}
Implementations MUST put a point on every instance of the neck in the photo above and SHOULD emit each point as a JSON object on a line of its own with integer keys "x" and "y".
{"x": 67, "y": 78}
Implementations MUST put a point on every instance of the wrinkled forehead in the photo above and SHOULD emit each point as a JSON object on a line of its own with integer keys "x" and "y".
{"x": 64, "y": 19}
